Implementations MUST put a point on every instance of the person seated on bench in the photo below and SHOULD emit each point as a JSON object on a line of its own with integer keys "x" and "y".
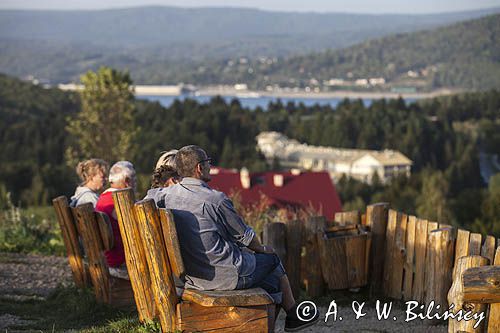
{"x": 92, "y": 174}
{"x": 121, "y": 175}
{"x": 164, "y": 176}
{"x": 215, "y": 241}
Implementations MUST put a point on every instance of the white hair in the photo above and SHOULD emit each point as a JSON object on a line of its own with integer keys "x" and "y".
{"x": 120, "y": 171}
{"x": 167, "y": 158}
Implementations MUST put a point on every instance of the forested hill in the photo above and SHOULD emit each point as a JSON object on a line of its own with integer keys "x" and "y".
{"x": 150, "y": 41}
{"x": 463, "y": 55}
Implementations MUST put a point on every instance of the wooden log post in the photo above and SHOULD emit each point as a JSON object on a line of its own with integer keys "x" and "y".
{"x": 162, "y": 280}
{"x": 418, "y": 289}
{"x": 275, "y": 236}
{"x": 311, "y": 264}
{"x": 455, "y": 295}
{"x": 390, "y": 240}
{"x": 475, "y": 244}
{"x": 462, "y": 244}
{"x": 482, "y": 284}
{"x": 346, "y": 218}
{"x": 135, "y": 256}
{"x": 98, "y": 269}
{"x": 494, "y": 317}
{"x": 439, "y": 266}
{"x": 70, "y": 237}
{"x": 488, "y": 249}
{"x": 294, "y": 253}
{"x": 376, "y": 220}
{"x": 409, "y": 268}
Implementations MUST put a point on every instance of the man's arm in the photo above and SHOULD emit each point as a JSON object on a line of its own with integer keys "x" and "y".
{"x": 239, "y": 230}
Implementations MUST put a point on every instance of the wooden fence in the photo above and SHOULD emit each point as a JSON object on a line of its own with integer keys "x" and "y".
{"x": 403, "y": 257}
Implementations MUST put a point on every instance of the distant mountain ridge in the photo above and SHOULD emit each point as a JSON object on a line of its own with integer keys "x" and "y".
{"x": 168, "y": 45}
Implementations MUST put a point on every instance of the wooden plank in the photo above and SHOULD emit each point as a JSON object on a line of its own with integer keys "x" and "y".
{"x": 376, "y": 220}
{"x": 311, "y": 264}
{"x": 341, "y": 228}
{"x": 462, "y": 244}
{"x": 105, "y": 230}
{"x": 494, "y": 317}
{"x": 431, "y": 226}
{"x": 348, "y": 218}
{"x": 399, "y": 256}
{"x": 244, "y": 297}
{"x": 390, "y": 247}
{"x": 121, "y": 294}
{"x": 475, "y": 244}
{"x": 488, "y": 249}
{"x": 70, "y": 237}
{"x": 225, "y": 319}
{"x": 355, "y": 249}
{"x": 409, "y": 268}
{"x": 294, "y": 254}
{"x": 172, "y": 245}
{"x": 439, "y": 266}
{"x": 275, "y": 236}
{"x": 135, "y": 255}
{"x": 98, "y": 269}
{"x": 418, "y": 289}
{"x": 333, "y": 261}
{"x": 162, "y": 281}
{"x": 455, "y": 295}
{"x": 482, "y": 284}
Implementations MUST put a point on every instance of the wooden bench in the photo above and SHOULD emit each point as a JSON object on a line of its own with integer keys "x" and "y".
{"x": 150, "y": 233}
{"x": 94, "y": 230}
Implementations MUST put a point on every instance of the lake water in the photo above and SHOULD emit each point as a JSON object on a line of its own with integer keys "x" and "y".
{"x": 253, "y": 102}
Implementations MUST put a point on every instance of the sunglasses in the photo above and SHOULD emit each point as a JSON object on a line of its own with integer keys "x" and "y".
{"x": 209, "y": 160}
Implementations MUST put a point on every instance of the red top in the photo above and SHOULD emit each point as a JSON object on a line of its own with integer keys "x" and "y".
{"x": 116, "y": 256}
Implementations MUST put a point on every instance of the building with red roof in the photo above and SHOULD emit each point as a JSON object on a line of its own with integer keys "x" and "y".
{"x": 283, "y": 189}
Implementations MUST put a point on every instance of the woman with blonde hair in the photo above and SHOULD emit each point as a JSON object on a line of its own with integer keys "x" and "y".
{"x": 93, "y": 174}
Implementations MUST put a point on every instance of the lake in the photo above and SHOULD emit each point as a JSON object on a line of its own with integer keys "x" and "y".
{"x": 254, "y": 102}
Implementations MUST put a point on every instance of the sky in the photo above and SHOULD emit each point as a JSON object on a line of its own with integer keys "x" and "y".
{"x": 346, "y": 6}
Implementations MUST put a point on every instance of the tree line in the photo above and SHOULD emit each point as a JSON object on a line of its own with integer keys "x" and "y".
{"x": 43, "y": 131}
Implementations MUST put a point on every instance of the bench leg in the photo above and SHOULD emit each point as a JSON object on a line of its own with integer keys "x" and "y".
{"x": 192, "y": 317}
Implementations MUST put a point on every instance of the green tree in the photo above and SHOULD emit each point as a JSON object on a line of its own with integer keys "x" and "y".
{"x": 104, "y": 128}
{"x": 432, "y": 202}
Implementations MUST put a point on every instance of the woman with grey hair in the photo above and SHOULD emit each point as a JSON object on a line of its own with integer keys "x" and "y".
{"x": 121, "y": 175}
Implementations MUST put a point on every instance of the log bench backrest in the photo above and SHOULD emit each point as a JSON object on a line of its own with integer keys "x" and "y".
{"x": 172, "y": 243}
{"x": 105, "y": 230}
{"x": 135, "y": 255}
{"x": 88, "y": 228}
{"x": 70, "y": 236}
{"x": 160, "y": 268}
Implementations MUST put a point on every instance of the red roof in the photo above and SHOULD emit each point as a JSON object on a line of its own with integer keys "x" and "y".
{"x": 304, "y": 189}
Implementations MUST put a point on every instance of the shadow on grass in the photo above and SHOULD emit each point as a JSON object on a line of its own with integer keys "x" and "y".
{"x": 73, "y": 309}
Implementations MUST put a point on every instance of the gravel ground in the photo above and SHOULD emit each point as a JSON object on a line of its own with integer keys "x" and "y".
{"x": 34, "y": 277}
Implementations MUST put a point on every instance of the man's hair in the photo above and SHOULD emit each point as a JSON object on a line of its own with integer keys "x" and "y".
{"x": 89, "y": 168}
{"x": 120, "y": 171}
{"x": 187, "y": 158}
{"x": 161, "y": 175}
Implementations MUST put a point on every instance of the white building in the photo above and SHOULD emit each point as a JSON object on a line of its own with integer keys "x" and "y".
{"x": 357, "y": 163}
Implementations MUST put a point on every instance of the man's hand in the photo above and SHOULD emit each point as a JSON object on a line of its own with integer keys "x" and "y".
{"x": 259, "y": 248}
{"x": 267, "y": 249}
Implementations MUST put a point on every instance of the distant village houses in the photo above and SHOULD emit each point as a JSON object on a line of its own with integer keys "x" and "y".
{"x": 357, "y": 163}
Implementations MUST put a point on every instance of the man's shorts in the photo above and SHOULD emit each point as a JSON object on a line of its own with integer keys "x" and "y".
{"x": 267, "y": 274}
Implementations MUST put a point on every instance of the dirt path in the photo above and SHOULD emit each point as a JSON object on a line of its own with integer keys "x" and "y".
{"x": 35, "y": 277}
